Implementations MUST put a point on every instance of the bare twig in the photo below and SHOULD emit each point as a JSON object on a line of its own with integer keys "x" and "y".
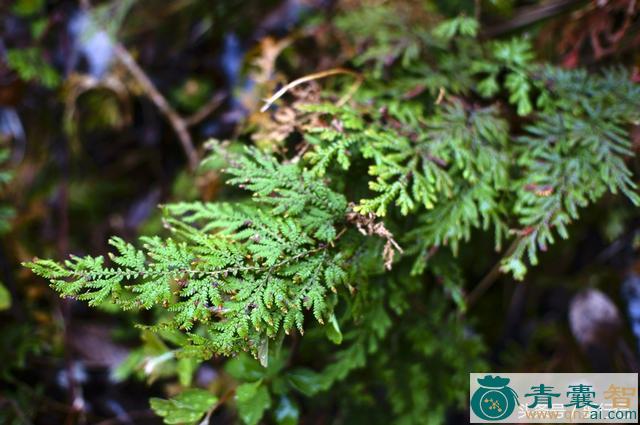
{"x": 490, "y": 278}
{"x": 180, "y": 124}
{"x": 206, "y": 109}
{"x": 213, "y": 408}
{"x": 16, "y": 408}
{"x": 441, "y": 94}
{"x": 177, "y": 122}
{"x": 528, "y": 15}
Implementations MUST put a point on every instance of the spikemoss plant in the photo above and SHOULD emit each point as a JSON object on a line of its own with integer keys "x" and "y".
{"x": 337, "y": 268}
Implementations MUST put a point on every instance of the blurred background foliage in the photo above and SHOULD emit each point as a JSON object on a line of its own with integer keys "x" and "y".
{"x": 91, "y": 144}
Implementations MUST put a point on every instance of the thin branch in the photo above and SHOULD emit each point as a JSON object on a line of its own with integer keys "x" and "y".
{"x": 16, "y": 408}
{"x": 180, "y": 124}
{"x": 315, "y": 76}
{"x": 177, "y": 122}
{"x": 489, "y": 279}
{"x": 528, "y": 15}
{"x": 213, "y": 408}
{"x": 206, "y": 109}
{"x": 441, "y": 93}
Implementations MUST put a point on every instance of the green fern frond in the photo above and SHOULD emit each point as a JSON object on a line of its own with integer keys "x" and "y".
{"x": 240, "y": 271}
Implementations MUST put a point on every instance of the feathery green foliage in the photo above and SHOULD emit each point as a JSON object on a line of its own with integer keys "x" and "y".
{"x": 244, "y": 271}
{"x": 6, "y": 211}
{"x": 6, "y": 214}
{"x": 572, "y": 154}
{"x": 30, "y": 65}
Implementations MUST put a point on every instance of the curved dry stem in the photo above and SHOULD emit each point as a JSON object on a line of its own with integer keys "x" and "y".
{"x": 315, "y": 76}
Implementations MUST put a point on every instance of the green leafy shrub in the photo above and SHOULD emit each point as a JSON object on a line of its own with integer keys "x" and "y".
{"x": 30, "y": 65}
{"x": 6, "y": 213}
{"x": 354, "y": 244}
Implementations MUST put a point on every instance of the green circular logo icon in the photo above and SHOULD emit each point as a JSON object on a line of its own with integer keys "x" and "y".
{"x": 494, "y": 400}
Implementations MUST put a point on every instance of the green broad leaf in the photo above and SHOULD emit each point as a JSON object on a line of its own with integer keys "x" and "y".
{"x": 306, "y": 381}
{"x": 185, "y": 367}
{"x": 5, "y": 297}
{"x": 27, "y": 7}
{"x": 333, "y": 330}
{"x": 287, "y": 412}
{"x": 252, "y": 400}
{"x": 243, "y": 367}
{"x": 187, "y": 407}
{"x": 128, "y": 366}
